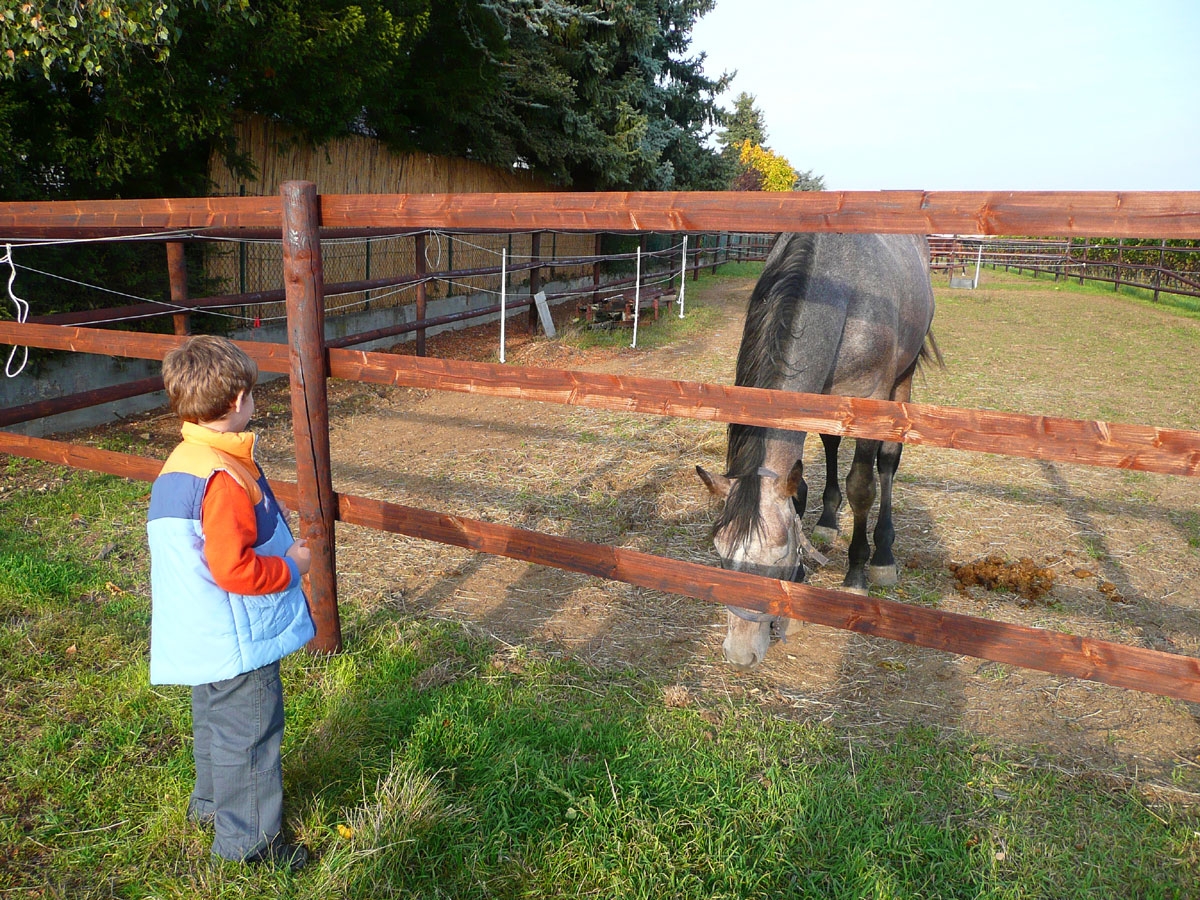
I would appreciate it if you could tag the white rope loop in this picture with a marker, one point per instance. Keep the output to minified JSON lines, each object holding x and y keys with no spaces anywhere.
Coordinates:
{"x":21,"y":316}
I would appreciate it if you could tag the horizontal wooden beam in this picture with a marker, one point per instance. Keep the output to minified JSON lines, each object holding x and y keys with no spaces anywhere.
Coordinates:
{"x":60,"y":218}
{"x":40,"y":409}
{"x":124,"y":465}
{"x":133,"y":345}
{"x":1120,"y":665}
{"x":1148,"y":214}
{"x":1142,"y":447}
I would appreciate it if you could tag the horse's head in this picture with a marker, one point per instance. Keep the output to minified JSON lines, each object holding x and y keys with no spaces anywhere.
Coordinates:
{"x":757,"y":532}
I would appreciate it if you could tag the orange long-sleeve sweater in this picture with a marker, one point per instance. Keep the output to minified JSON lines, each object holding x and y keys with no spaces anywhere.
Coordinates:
{"x":230,"y":533}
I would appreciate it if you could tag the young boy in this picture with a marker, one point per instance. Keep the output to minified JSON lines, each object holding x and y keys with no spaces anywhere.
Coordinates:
{"x":226,"y":600}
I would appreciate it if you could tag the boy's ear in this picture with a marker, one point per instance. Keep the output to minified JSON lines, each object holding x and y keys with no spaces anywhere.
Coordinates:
{"x":237,"y":403}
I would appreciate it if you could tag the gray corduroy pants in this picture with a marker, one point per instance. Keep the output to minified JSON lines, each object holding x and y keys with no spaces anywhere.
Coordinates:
{"x":238,"y":728}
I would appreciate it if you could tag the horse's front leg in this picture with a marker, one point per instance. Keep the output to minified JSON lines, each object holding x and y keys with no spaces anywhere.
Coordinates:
{"x":860,"y":489}
{"x":883,"y":564}
{"x":826,"y":529}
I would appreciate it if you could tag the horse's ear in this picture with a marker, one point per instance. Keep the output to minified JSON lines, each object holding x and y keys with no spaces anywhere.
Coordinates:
{"x":718,"y":484}
{"x":794,"y":480}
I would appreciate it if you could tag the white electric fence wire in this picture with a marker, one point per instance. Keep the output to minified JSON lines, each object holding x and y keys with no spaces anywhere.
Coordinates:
{"x":503,"y":297}
{"x":637,"y":296}
{"x":431,"y":263}
{"x":683,"y":276}
{"x":21,"y":316}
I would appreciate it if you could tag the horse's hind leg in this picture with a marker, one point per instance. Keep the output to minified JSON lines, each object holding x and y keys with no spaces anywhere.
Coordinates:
{"x":883,"y":564}
{"x":860,"y":488}
{"x":831,"y":498}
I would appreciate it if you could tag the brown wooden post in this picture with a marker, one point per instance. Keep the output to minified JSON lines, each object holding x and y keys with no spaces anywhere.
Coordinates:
{"x":1087,"y":242}
{"x":420,"y":269}
{"x":1158,"y":272}
{"x":1120,"y":259}
{"x":177,"y":271}
{"x":535,"y":278}
{"x":304,"y":285}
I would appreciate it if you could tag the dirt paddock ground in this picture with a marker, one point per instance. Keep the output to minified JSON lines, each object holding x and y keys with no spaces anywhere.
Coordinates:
{"x":1116,"y":553}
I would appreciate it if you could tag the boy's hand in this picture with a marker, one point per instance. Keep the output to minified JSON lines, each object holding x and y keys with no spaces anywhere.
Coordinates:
{"x":301,"y":556}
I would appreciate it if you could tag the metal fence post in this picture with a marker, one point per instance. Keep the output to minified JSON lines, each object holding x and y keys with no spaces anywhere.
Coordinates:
{"x":304,"y":287}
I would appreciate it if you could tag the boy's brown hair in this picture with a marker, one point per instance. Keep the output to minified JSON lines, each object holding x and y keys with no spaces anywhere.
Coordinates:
{"x":204,"y":375}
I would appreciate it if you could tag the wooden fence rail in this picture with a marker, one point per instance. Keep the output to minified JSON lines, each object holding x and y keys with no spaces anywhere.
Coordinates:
{"x":1116,"y":664}
{"x":1146,"y":214}
{"x":1065,"y":258}
{"x":1111,"y":444}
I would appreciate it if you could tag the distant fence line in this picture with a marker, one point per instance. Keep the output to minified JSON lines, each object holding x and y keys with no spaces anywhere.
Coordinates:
{"x":1160,"y":266}
{"x":356,"y":278}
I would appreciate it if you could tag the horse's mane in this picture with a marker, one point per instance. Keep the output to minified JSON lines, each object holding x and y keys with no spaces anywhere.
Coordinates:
{"x":773,"y":304}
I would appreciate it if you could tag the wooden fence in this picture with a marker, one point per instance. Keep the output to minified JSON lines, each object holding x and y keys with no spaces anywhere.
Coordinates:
{"x":303,"y":215}
{"x":1157,"y":267}
{"x":659,"y":271}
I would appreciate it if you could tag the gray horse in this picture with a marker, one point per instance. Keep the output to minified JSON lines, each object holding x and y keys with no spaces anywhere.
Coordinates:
{"x":842,"y":314}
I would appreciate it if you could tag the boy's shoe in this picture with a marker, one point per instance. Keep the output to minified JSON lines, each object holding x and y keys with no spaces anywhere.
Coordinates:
{"x":292,"y":857}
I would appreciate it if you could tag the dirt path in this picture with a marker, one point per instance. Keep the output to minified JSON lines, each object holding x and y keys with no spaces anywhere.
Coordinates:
{"x":1123,"y":549}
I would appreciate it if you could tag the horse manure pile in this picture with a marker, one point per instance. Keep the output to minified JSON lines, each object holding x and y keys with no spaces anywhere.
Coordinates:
{"x":994,"y":572}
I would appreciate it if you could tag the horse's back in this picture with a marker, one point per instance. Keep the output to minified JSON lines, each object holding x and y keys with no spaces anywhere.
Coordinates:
{"x":838,"y":313}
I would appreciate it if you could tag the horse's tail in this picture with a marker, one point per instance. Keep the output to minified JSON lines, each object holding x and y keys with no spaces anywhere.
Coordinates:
{"x":930,"y":351}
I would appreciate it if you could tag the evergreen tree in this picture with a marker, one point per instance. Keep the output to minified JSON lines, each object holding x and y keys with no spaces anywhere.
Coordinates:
{"x":744,"y":123}
{"x":590,"y":94}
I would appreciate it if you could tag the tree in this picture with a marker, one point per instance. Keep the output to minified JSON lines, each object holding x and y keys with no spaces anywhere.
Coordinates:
{"x":764,"y":170}
{"x":91,"y":36}
{"x":591,"y":94}
{"x":745,"y":123}
{"x":606,"y":99}
{"x":749,"y":164}
{"x":807,"y":181}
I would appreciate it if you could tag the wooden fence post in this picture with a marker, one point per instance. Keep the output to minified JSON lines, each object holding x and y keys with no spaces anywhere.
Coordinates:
{"x":420,"y":270}
{"x":1162,"y":247}
{"x":535,"y":278}
{"x":177,"y":272}
{"x":304,"y":286}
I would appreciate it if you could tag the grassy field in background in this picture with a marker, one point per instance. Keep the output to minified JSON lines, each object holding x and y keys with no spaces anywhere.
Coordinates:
{"x":428,"y":762}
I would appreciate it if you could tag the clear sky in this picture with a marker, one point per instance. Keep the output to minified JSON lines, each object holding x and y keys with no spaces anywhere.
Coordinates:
{"x":1009,"y":95}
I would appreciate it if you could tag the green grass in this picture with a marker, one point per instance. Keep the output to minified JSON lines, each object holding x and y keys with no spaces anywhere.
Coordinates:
{"x":1112,"y":368}
{"x":424,"y":762}
{"x":1178,"y":303}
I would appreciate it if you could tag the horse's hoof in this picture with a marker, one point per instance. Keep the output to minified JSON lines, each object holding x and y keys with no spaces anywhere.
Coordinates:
{"x":858,"y":591}
{"x":824,"y":535}
{"x":884,"y":576}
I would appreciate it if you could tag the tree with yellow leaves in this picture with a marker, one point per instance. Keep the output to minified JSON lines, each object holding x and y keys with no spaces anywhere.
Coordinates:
{"x":774,"y":172}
